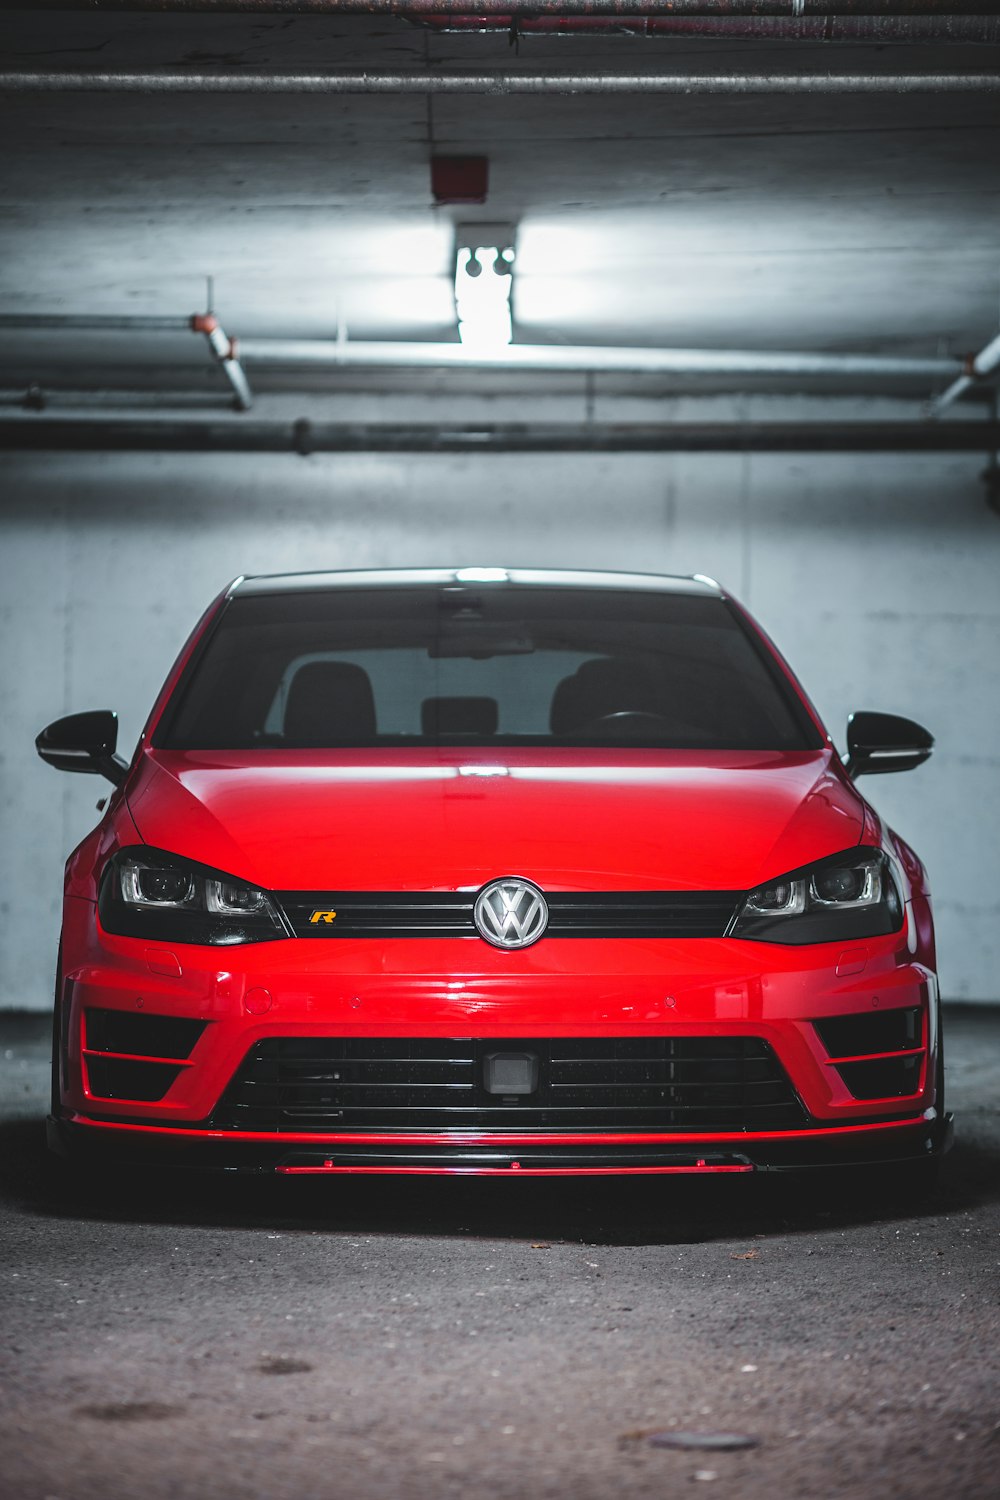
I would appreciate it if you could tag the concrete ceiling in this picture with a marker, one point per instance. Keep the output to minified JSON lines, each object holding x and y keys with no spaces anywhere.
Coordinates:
{"x":827,"y":223}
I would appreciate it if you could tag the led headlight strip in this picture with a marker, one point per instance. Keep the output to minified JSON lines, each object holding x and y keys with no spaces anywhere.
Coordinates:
{"x":849,"y":895}
{"x":149,"y":893}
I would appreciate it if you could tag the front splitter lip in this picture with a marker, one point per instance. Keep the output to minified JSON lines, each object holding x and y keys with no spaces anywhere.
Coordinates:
{"x":465,"y":1152}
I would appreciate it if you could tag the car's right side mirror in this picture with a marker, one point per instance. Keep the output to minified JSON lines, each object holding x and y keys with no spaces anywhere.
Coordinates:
{"x":877,"y":743}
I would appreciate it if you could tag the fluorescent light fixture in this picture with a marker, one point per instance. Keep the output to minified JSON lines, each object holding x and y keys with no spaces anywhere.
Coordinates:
{"x":483,"y":280}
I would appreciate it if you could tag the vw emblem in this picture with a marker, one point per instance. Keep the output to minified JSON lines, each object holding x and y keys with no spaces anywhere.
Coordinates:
{"x":510,"y":913}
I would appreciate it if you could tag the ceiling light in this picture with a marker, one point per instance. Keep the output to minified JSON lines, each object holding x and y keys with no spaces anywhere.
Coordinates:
{"x":483,"y":302}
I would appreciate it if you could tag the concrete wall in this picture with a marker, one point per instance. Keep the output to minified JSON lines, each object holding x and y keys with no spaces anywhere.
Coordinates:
{"x":876,"y":574}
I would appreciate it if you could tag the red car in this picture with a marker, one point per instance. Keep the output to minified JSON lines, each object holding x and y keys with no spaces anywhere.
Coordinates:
{"x":489,"y":870}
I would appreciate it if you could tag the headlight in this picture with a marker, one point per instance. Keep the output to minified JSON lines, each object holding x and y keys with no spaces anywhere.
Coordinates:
{"x":147,"y":893}
{"x":849,"y":895}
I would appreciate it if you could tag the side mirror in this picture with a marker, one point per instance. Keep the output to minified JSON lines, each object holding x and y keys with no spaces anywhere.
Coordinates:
{"x":84,"y":742}
{"x":877,"y":743}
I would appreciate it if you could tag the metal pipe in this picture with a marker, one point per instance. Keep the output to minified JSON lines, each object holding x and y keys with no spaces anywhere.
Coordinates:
{"x":165,"y":81}
{"x":101,"y":401}
{"x":333,"y":353}
{"x":96,"y":322}
{"x":236,"y":375}
{"x":793,"y":8}
{"x":397,"y":354}
{"x":254,"y":435}
{"x":876,"y":30}
{"x":222,"y":347}
{"x":985,"y":364}
{"x":224,"y":353}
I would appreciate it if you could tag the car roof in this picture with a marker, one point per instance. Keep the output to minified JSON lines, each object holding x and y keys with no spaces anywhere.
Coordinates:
{"x":294,"y":583}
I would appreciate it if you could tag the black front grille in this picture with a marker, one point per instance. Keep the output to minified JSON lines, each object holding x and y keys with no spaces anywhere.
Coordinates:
{"x":350,"y":1083}
{"x":592,"y":914}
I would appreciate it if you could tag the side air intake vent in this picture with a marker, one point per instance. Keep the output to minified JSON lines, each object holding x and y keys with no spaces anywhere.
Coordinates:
{"x":133,"y":1055}
{"x":880,"y":1054}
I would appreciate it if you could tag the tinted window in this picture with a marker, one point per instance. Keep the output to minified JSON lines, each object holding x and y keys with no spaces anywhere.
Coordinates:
{"x":502,"y":666}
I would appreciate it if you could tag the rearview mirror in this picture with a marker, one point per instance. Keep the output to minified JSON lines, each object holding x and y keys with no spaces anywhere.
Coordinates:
{"x":877,"y":743}
{"x":84,"y":742}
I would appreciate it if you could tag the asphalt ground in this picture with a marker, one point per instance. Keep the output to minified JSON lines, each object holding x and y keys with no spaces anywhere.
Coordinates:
{"x":216,"y":1339}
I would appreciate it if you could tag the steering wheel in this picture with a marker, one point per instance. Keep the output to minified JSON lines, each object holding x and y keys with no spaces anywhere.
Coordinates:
{"x":623,"y":719}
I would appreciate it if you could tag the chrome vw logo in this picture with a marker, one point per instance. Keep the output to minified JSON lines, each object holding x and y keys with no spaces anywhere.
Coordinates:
{"x":510,"y":913}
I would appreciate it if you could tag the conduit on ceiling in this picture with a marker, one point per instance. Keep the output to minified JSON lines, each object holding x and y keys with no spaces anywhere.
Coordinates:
{"x":978,"y":371}
{"x":543,"y":358}
{"x":221,"y":346}
{"x":863,"y":22}
{"x":788,"y":8}
{"x":254,"y":435}
{"x":590,"y":359}
{"x":167,"y":81}
{"x":876,"y":30}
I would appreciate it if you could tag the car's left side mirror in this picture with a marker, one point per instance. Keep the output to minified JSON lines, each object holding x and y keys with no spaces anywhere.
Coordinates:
{"x":877,"y":743}
{"x":84,"y":742}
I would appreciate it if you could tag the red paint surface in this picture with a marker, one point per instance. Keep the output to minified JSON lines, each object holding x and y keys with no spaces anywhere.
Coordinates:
{"x":346,"y":1139}
{"x":566,"y":819}
{"x":515,"y":1168}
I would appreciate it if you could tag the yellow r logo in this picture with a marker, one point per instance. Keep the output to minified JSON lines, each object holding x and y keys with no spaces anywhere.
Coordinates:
{"x":322,"y":916}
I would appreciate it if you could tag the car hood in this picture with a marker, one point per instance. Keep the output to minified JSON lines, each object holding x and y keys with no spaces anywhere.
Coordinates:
{"x":445,"y":820}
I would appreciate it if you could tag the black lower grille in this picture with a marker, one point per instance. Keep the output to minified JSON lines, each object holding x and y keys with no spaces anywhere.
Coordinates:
{"x":871,"y":1031}
{"x":150,"y":1050}
{"x":592,"y":914}
{"x":854,"y":1042}
{"x":883,"y":1077}
{"x":125,"y":1078}
{"x":349,"y":1083}
{"x":140,"y":1034}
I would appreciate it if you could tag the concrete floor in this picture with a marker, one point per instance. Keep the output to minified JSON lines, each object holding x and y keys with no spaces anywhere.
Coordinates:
{"x":212,"y":1339}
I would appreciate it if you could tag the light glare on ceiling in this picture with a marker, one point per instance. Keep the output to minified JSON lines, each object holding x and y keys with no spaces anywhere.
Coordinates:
{"x":482,"y":575}
{"x":483,"y":281}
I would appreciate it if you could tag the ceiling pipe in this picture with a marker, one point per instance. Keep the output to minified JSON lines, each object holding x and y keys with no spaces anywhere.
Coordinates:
{"x":876,"y":30}
{"x":334,"y":353}
{"x":167,"y":81}
{"x":254,"y":435}
{"x":222,"y":348}
{"x":549,"y":358}
{"x":224,"y":353}
{"x":795,"y":9}
{"x":87,"y":322}
{"x":985,"y":364}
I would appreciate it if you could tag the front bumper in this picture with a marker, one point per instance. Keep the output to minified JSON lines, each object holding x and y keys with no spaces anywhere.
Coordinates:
{"x":458,"y":1153}
{"x":447,"y":988}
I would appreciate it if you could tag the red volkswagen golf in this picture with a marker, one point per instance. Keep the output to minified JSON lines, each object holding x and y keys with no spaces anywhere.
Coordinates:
{"x":492,"y":871}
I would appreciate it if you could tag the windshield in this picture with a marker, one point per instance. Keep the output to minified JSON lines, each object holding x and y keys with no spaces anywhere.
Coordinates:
{"x":433,"y":665}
